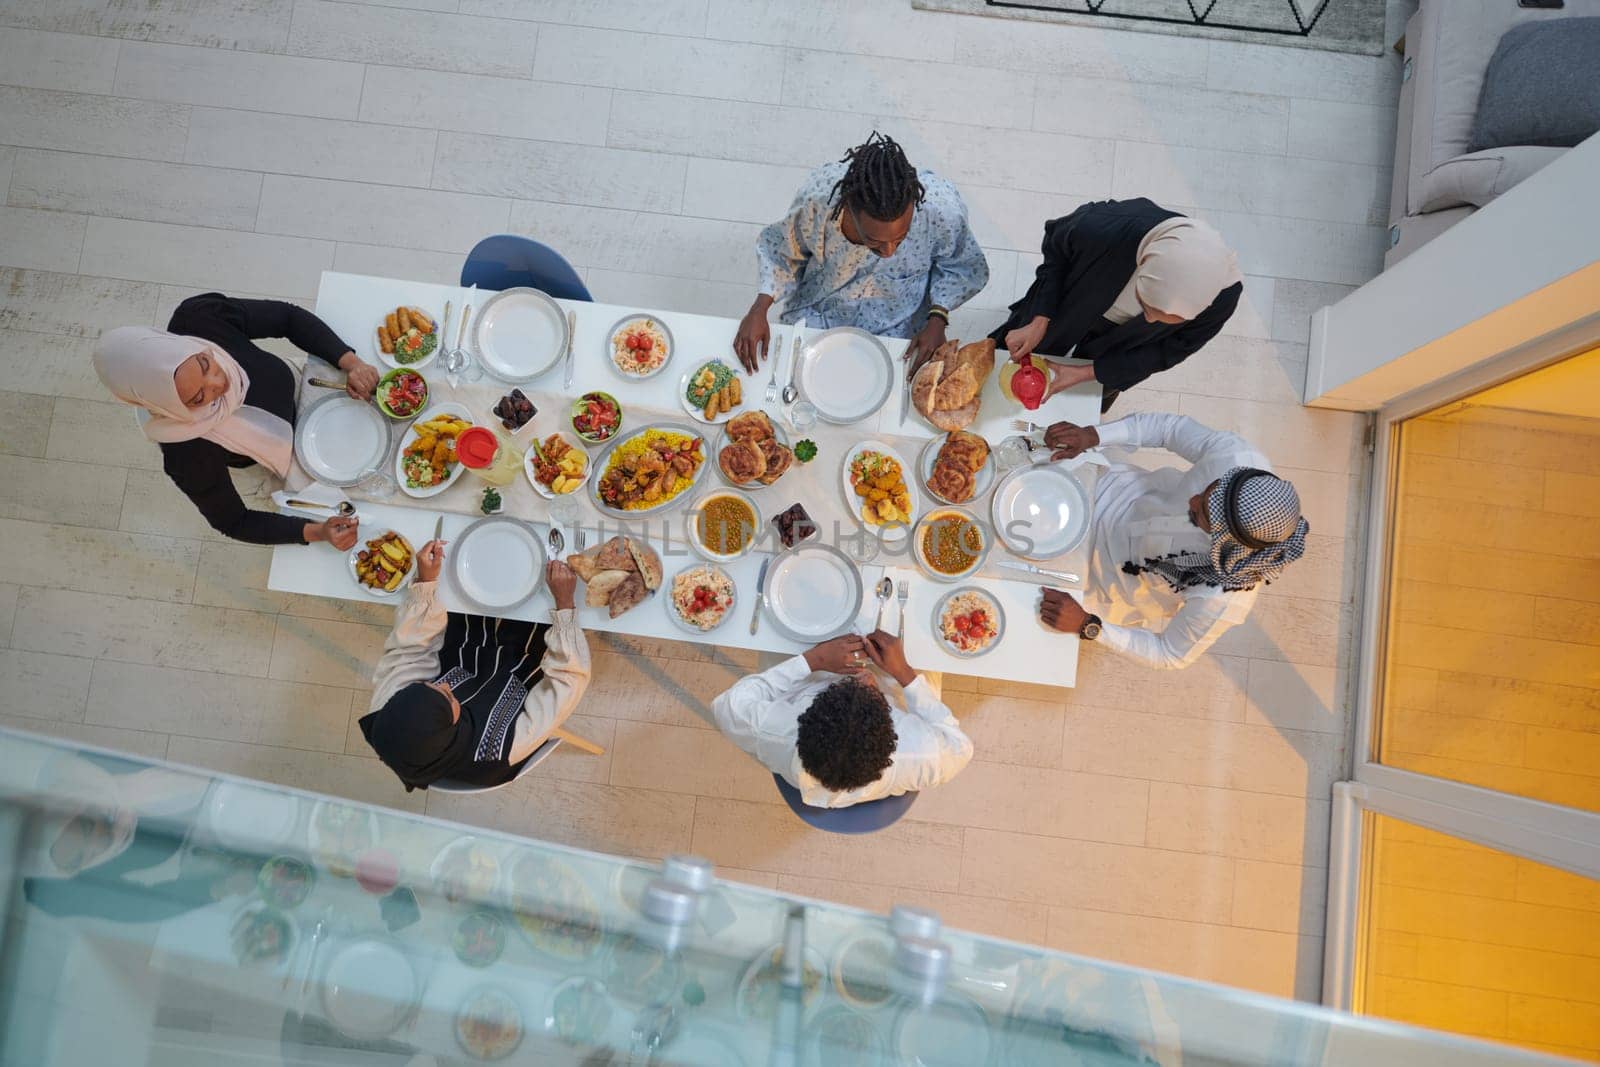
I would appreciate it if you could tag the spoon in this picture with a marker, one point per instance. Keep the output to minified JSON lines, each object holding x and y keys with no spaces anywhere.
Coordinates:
{"x":885,"y":591}
{"x":557,"y":542}
{"x":791,"y":392}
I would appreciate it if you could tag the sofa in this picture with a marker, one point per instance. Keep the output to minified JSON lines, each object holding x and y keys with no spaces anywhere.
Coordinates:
{"x":1437,"y":181}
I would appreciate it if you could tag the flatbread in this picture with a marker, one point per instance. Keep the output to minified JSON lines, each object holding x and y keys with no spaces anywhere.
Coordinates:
{"x":955,"y":419}
{"x":923,"y":385}
{"x":614,"y":555}
{"x":648,"y":562}
{"x":750,"y":426}
{"x":627,"y":594}
{"x":778,"y":458}
{"x":599,"y":591}
{"x":979,"y":356}
{"x":584,"y":565}
{"x":742,"y":462}
{"x":957,"y":387}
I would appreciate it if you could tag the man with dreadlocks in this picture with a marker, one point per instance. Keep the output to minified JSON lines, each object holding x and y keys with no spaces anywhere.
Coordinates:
{"x":1189,"y":548}
{"x":870,"y":242}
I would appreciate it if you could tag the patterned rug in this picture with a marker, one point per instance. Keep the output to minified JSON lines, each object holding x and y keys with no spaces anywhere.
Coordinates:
{"x":1330,"y":25}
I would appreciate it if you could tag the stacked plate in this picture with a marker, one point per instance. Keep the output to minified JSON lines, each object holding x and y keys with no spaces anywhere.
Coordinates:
{"x":813,"y":592}
{"x":520,"y":334}
{"x":497,"y":563}
{"x":340,"y":440}
{"x":846,"y":373}
{"x":1040,"y":512}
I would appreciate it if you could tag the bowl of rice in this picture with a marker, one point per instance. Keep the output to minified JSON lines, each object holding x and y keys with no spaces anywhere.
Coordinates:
{"x":702,"y":597}
{"x":639,"y":346}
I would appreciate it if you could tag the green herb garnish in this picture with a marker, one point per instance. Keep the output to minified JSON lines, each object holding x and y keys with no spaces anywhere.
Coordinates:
{"x":805,"y":451}
{"x":491,"y":502}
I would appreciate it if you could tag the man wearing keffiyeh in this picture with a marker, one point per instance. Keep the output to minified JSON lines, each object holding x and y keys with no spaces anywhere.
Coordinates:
{"x":1178,"y":554}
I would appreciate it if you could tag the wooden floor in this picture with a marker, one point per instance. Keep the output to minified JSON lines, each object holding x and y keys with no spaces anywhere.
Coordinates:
{"x":151,"y":150}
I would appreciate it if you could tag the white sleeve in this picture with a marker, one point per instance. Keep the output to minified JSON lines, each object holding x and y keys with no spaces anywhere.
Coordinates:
{"x":749,"y":707}
{"x":411,"y":651}
{"x":1193,"y":441}
{"x":1191,"y":630}
{"x":565,"y":676}
{"x":939,"y":752}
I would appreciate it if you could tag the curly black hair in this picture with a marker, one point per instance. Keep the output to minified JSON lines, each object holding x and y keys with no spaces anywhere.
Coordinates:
{"x":846,"y":736}
{"x":880,"y":182}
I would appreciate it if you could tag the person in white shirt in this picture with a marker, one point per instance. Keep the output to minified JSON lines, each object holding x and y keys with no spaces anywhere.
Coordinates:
{"x":470,"y":698}
{"x":822,"y":722}
{"x":1178,"y":554}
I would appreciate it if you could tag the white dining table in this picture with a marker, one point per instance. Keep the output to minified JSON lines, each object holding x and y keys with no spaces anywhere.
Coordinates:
{"x":353,"y":305}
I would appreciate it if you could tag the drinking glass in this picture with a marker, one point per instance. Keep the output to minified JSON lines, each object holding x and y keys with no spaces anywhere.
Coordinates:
{"x":378,"y":484}
{"x":802,"y":415}
{"x":1011,"y":454}
{"x":861,"y":546}
{"x":564,"y":509}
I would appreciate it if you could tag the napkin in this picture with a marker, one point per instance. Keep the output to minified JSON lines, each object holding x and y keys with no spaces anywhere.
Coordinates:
{"x":316,"y":493}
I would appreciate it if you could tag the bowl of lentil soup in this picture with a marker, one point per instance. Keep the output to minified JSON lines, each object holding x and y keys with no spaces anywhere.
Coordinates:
{"x":950,"y":544}
{"x":722,"y":525}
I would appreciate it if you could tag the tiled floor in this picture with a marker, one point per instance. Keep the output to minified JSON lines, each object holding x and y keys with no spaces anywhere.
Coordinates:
{"x":148,"y":150}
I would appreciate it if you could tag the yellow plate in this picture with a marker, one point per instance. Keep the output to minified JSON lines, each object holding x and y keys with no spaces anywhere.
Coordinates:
{"x":1011,"y":368}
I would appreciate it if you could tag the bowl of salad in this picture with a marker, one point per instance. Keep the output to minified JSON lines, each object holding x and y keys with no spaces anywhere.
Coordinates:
{"x":401,"y":393}
{"x":596,"y":417}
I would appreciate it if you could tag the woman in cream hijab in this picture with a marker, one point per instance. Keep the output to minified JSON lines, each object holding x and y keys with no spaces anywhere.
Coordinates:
{"x":214,"y":400}
{"x":1127,"y":284}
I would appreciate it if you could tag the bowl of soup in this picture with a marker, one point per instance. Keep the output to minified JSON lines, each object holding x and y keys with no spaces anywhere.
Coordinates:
{"x":722,"y":525}
{"x":949,"y":543}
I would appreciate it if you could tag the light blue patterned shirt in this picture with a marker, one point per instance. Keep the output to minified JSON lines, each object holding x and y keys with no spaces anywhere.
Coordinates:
{"x":807,"y":262}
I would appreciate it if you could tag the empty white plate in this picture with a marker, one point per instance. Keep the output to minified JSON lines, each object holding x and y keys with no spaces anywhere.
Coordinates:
{"x":1040,"y":512}
{"x":520,"y":333}
{"x":369,"y":989}
{"x":497,"y":563}
{"x":249,"y":817}
{"x":813,"y":592}
{"x":340,"y":440}
{"x":846,"y":373}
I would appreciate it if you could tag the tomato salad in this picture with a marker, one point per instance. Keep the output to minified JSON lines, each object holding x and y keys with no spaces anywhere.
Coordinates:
{"x":596,"y":416}
{"x":402,"y":393}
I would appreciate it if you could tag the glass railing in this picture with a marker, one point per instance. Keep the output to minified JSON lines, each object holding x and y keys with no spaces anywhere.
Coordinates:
{"x":164,"y":916}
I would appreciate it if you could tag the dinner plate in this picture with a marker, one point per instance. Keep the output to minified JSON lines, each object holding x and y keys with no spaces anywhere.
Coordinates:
{"x":571,"y":439}
{"x":983,"y":481}
{"x":852,"y":502}
{"x":598,"y":465}
{"x":340,"y":440}
{"x":723,"y":441}
{"x":813,"y":592}
{"x":520,"y":334}
{"x":251,"y":818}
{"x":411,"y":434}
{"x":671,"y":604}
{"x":497,"y":563}
{"x":361,"y":546}
{"x":698,"y":414}
{"x":846,"y":373}
{"x":1039,"y":512}
{"x":993,"y":605}
{"x":388,"y":359}
{"x":369,"y":988}
{"x":672,"y":347}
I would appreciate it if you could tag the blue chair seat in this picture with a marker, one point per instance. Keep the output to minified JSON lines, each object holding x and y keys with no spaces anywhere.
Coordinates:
{"x":861,"y":818}
{"x":506,"y":261}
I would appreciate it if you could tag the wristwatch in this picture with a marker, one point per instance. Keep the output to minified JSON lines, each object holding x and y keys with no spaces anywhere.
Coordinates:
{"x":1090,"y":628}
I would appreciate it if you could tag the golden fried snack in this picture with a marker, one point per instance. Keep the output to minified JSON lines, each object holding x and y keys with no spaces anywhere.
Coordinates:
{"x":713,"y":405}
{"x":421,"y":321}
{"x":737,"y":396}
{"x":385,"y":339}
{"x":405,"y":319}
{"x":392,"y":321}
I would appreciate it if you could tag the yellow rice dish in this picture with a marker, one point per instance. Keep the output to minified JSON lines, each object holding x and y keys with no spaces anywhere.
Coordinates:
{"x":649,"y":469}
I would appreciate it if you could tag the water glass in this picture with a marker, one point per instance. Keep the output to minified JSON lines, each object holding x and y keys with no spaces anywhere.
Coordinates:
{"x":378,"y":484}
{"x":802,"y":415}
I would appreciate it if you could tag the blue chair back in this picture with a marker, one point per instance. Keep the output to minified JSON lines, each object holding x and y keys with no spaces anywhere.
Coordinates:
{"x":857,"y":819}
{"x":506,"y":261}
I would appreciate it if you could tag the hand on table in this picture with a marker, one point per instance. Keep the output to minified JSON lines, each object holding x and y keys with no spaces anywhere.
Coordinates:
{"x":1060,"y":611}
{"x":750,"y":343}
{"x":1070,"y":441}
{"x":924,"y":344}
{"x":1022,"y":341}
{"x":360,"y":379}
{"x":843,"y":655}
{"x":563,"y":583}
{"x":430,"y":558}
{"x":340,"y":531}
{"x":888,"y":651}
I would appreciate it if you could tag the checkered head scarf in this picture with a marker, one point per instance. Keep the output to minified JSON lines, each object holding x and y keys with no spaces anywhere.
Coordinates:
{"x":1258,"y":531}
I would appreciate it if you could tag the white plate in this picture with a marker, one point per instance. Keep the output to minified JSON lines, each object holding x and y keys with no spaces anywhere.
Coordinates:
{"x":852,"y":502}
{"x":411,"y":434}
{"x":339,"y":440}
{"x":369,"y":989}
{"x":847,"y":374}
{"x":1040,"y":512}
{"x":497,"y":563}
{"x":692,"y":525}
{"x":672,"y":347}
{"x":779,"y":434}
{"x":571,"y":439}
{"x":248,"y":817}
{"x":672,"y":606}
{"x":930,"y":452}
{"x":993,"y":605}
{"x":520,"y":334}
{"x":387,"y":358}
{"x":361,"y":546}
{"x":813,"y":592}
{"x":698,"y":414}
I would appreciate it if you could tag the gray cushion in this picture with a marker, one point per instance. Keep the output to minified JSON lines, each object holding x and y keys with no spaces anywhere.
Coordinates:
{"x":1542,"y":86}
{"x":1479,"y":177}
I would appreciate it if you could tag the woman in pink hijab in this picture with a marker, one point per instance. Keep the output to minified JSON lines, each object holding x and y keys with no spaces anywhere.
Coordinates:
{"x":1127,"y":284}
{"x":215,"y":400}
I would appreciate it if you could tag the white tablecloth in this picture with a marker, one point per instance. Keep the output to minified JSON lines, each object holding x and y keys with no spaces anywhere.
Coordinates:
{"x":352,"y":305}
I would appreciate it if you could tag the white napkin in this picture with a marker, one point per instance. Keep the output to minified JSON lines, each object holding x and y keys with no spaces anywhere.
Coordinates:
{"x":315,"y":493}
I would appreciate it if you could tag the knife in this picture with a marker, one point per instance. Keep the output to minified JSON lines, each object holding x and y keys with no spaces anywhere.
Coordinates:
{"x":572,"y":326}
{"x":438,"y":528}
{"x":905,"y":398}
{"x":1028,"y":568}
{"x":761,"y":596}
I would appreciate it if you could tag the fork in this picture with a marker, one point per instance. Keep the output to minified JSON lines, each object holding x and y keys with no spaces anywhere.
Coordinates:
{"x":902,"y":594}
{"x":1027,"y":427}
{"x":580,"y":538}
{"x":775,"y":349}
